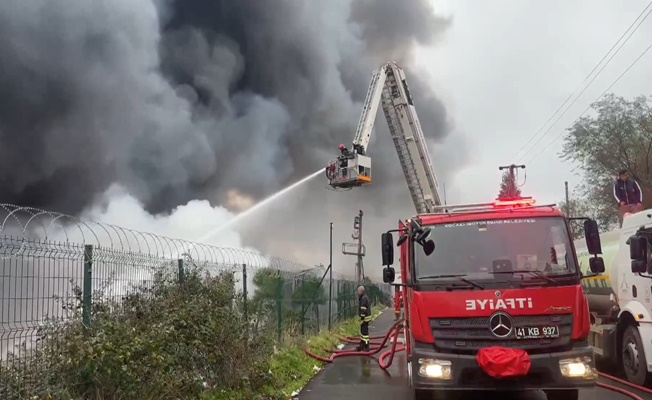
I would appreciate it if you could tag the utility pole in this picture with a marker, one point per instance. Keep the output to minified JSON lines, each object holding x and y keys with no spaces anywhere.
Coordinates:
{"x":330,"y":279}
{"x":360,"y":267}
{"x":567,"y":210}
{"x":567,"y":203}
{"x":511,"y":187}
{"x":356,"y":249}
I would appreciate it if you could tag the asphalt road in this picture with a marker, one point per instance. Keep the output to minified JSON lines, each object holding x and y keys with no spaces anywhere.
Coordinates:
{"x":360,"y":378}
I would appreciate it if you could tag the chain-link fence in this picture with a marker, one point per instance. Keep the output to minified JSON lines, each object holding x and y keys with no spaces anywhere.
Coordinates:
{"x":60,"y":273}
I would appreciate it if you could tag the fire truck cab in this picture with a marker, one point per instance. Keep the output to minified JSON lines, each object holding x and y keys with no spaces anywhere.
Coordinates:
{"x":485,"y":281}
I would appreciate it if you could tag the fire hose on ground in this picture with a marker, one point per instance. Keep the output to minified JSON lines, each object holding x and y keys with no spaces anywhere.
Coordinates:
{"x":387,"y":357}
{"x":624,"y":383}
{"x":374,"y":348}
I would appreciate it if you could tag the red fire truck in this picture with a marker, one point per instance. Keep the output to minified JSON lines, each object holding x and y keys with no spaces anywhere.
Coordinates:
{"x":490,"y":293}
{"x":493,"y":300}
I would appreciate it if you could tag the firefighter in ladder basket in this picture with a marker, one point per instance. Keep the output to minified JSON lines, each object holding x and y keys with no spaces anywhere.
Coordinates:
{"x":364,"y":311}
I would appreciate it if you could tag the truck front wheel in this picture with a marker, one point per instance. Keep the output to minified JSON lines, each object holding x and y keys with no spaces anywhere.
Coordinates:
{"x":632,"y":358}
{"x":564,"y":394}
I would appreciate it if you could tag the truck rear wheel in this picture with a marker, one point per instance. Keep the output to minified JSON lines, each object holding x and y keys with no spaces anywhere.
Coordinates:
{"x":632,"y":358}
{"x":564,"y":394}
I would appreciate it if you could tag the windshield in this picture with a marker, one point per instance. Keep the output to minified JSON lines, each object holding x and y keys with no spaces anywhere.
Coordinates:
{"x":483,"y":249}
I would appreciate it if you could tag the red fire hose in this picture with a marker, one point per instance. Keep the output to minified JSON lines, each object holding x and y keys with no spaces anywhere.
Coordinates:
{"x":390,"y":353}
{"x":386,"y":358}
{"x":619,"y":390}
{"x":347,"y":353}
{"x":624,"y":383}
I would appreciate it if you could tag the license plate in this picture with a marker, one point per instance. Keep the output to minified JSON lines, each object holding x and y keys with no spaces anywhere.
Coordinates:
{"x":537,"y":332}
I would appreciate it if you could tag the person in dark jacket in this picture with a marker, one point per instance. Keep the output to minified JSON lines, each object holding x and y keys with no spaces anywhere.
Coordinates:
{"x":364,"y":311}
{"x":628,"y":194}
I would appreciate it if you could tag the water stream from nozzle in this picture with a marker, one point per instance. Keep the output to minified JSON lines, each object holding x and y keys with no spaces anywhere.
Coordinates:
{"x":258,"y":206}
{"x":252,"y":210}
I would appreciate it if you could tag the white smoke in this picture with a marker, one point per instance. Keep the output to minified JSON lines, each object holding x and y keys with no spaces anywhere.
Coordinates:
{"x":188,"y":222}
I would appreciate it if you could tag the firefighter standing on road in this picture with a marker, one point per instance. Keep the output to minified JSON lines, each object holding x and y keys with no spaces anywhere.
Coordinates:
{"x":628,"y":194}
{"x":364,"y":311}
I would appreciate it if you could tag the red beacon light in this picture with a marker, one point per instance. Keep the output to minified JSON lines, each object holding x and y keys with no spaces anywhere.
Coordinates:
{"x":521,"y":202}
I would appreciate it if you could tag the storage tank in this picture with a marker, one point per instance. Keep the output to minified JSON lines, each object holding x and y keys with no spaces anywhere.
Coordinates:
{"x":599,"y":288}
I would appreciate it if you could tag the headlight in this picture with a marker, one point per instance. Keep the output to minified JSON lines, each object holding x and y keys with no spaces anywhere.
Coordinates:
{"x":579,"y":367}
{"x":436,"y":369}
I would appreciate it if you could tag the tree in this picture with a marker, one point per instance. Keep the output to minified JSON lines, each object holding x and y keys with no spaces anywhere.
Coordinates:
{"x":577,"y":208}
{"x":618,"y":137}
{"x":505,"y":187}
{"x":309,"y":293}
{"x":270,"y":287}
{"x":297,"y":295}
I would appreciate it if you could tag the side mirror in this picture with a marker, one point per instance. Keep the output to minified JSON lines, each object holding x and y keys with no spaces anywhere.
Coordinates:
{"x":402,"y":239}
{"x":422,"y":235}
{"x":592,"y":235}
{"x":428,"y":247}
{"x":596,"y":265}
{"x":638,"y":254}
{"x":638,"y":267}
{"x":387,"y":246}
{"x":637,"y":248}
{"x":389,"y":274}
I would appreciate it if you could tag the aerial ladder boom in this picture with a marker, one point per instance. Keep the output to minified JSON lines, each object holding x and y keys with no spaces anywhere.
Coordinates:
{"x":389,"y":89}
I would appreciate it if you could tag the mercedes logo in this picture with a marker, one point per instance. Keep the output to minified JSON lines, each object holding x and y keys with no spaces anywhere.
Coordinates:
{"x":497,"y":293}
{"x":500,"y":325}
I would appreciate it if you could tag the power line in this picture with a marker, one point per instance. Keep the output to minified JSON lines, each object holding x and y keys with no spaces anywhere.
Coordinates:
{"x":589,"y":107}
{"x":593,"y":79}
{"x":585,"y":79}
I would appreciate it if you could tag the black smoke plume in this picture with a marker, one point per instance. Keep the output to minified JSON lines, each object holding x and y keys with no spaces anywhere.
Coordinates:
{"x":186,"y":99}
{"x":178,"y":100}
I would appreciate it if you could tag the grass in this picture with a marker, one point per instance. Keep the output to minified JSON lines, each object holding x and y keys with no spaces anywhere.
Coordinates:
{"x":291,"y":367}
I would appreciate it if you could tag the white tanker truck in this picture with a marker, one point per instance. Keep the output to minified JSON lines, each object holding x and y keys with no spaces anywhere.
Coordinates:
{"x":620,"y":299}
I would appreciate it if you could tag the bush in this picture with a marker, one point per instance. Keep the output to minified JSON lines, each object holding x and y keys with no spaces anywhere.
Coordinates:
{"x":172,"y":341}
{"x":291,"y":367}
{"x":167,"y":341}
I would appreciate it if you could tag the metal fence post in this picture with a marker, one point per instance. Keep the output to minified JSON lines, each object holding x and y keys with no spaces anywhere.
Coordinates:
{"x":351,"y":296}
{"x":244,"y":291}
{"x":303,"y":305}
{"x":279,"y":304}
{"x":182,"y":272}
{"x":330,"y":280}
{"x":338,"y":299}
{"x":87,"y":291}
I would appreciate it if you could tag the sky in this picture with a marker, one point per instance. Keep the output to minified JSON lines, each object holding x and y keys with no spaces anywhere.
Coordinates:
{"x":503,"y":68}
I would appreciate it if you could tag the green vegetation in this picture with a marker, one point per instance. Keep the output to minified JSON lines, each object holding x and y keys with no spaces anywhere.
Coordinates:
{"x":617,"y":136}
{"x":195,"y":340}
{"x":290,"y":366}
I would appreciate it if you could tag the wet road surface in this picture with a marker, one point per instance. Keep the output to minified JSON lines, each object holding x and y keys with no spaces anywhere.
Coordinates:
{"x":360,"y":378}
